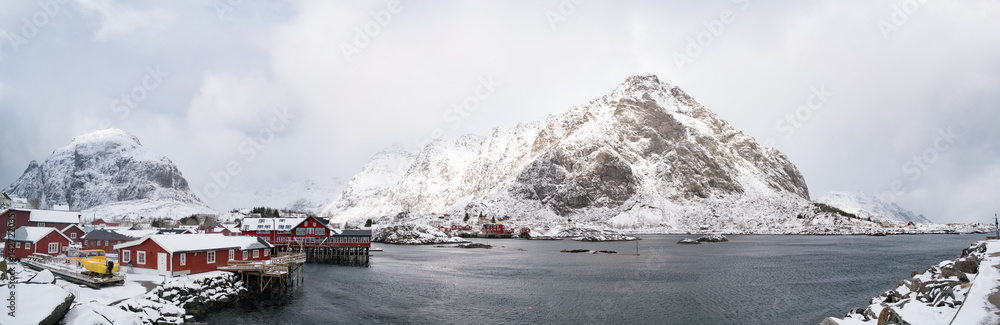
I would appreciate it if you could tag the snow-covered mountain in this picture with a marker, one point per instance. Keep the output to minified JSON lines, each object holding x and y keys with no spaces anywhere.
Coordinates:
{"x":867,"y":205}
{"x":111,"y":173}
{"x":644,"y":156}
{"x":304,"y":196}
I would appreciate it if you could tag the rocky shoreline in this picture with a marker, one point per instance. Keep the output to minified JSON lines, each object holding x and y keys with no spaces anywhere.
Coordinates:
{"x":933,"y":296}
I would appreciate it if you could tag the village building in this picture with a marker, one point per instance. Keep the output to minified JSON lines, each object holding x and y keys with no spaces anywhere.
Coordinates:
{"x":101,"y":223}
{"x":104,"y":239}
{"x":174,"y":231}
{"x":28,"y":240}
{"x":185,"y":254}
{"x":224,"y":230}
{"x":38,"y":218}
{"x":74,"y":232}
{"x":281,"y":231}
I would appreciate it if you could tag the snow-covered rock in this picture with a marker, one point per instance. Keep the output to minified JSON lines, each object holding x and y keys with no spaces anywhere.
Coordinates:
{"x":43,"y":277}
{"x":588,"y":233}
{"x":94,"y":313}
{"x":35,"y":304}
{"x":105,"y":168}
{"x":688,"y":241}
{"x":409,"y":233}
{"x":644,"y":156}
{"x":866,"y":205}
{"x":713,"y":238}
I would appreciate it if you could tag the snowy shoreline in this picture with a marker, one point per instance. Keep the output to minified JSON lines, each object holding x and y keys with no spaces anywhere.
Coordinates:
{"x":955,"y":291}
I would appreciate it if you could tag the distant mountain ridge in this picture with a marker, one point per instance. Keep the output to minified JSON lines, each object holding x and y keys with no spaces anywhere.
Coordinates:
{"x":867,"y":205}
{"x":106,"y":167}
{"x":644,"y":155}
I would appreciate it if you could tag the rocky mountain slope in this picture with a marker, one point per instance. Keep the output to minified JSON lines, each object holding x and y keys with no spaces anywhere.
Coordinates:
{"x":646,"y":155}
{"x":870,"y":206}
{"x":105,"y":171}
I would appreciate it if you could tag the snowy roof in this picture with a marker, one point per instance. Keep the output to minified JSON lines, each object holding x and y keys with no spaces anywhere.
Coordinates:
{"x":270,"y":224}
{"x":200,"y":242}
{"x":71,"y":226}
{"x":33,"y":234}
{"x":51,"y":216}
{"x":137,"y":233}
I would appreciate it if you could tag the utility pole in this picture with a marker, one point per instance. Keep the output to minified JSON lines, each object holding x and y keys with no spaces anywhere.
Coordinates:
{"x":996,"y":223}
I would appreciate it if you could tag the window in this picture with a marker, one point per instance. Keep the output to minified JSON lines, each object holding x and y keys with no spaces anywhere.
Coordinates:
{"x":211,"y":257}
{"x":53,"y":248}
{"x":244,"y":255}
{"x":126,"y":256}
{"x":86,"y":242}
{"x":256,"y":253}
{"x":18,"y":244}
{"x":267,"y":252}
{"x":140,"y":257}
{"x":232,"y":254}
{"x":27,"y":245}
{"x":183,"y":259}
{"x":41,"y":224}
{"x":106,"y":243}
{"x":72,"y":236}
{"x":300,"y":232}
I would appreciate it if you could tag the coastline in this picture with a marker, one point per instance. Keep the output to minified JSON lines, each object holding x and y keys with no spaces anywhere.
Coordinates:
{"x":965,"y":290}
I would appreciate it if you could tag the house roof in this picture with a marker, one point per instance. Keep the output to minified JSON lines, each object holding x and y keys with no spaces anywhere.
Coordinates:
{"x":200,"y":242}
{"x":137,"y":233}
{"x":71,"y":226}
{"x":270,"y":224}
{"x":34,"y":234}
{"x":106,"y":235}
{"x":168,"y":231}
{"x":51,"y":216}
{"x":352,"y":232}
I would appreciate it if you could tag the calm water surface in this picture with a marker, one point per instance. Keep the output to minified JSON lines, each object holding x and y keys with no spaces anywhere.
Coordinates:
{"x":749,"y":280}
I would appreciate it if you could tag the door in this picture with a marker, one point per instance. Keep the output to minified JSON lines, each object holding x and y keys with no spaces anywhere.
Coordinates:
{"x":161,"y":263}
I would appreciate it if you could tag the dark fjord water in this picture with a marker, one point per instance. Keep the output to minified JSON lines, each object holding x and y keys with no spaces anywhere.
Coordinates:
{"x":749,"y":280}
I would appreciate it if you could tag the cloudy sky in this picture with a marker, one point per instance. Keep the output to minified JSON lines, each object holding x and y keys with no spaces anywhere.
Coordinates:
{"x":892,"y":97}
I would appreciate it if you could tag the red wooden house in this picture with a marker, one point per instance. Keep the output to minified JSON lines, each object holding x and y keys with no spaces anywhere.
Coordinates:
{"x":225,"y":231}
{"x":104,"y":240}
{"x":190,"y":253}
{"x":280,"y":231}
{"x":37,"y":218}
{"x":493,"y":229}
{"x":101,"y":222}
{"x":28,"y":240}
{"x":74,"y":232}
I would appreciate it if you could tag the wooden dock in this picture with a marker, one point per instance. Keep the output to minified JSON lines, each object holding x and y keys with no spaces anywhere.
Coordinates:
{"x":330,"y":253}
{"x":65,"y":268}
{"x":283,"y":270}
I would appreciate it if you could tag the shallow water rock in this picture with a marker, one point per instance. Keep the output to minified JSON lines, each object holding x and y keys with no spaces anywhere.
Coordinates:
{"x":713,"y":238}
{"x":688,"y":241}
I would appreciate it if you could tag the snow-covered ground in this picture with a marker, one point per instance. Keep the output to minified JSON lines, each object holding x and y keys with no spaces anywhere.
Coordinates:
{"x":952,"y":292}
{"x":411,"y":234}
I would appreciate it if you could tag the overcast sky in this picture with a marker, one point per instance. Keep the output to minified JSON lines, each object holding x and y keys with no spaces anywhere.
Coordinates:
{"x":335,"y":81}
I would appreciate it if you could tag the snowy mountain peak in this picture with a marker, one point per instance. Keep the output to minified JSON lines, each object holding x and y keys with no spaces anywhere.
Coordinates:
{"x":645,"y":154}
{"x":101,"y":168}
{"x":107,"y":135}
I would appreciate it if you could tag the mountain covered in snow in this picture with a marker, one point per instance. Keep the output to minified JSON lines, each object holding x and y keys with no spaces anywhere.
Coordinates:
{"x":306,"y":196}
{"x":646,"y":155}
{"x":108,"y":172}
{"x":867,"y":205}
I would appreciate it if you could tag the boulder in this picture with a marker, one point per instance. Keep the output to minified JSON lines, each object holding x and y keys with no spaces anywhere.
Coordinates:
{"x":688,"y":241}
{"x":967,"y":264}
{"x":947,"y":272}
{"x":713,"y":238}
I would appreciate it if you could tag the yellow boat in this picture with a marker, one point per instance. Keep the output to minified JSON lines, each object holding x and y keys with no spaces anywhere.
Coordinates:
{"x":95,"y":261}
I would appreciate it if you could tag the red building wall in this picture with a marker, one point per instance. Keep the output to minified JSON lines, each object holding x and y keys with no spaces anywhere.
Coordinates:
{"x":106,"y":245}
{"x":78,"y":232}
{"x":41,"y":246}
{"x":195,"y":262}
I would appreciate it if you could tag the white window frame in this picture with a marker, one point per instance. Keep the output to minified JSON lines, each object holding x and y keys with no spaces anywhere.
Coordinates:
{"x":27,"y":245}
{"x":41,"y":224}
{"x":211,"y":257}
{"x":126,"y":256}
{"x":183,"y":259}
{"x":245,"y":254}
{"x":140,"y":257}
{"x":53,"y":248}
{"x":256,"y":253}
{"x":72,"y":235}
{"x":232,"y":254}
{"x":267,"y":252}
{"x":18,"y":244}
